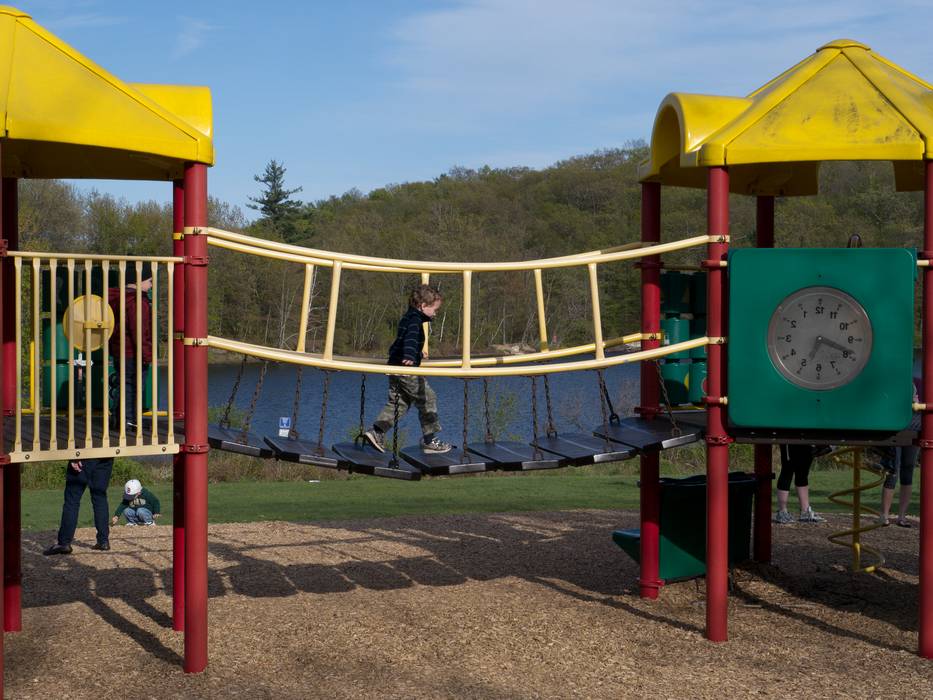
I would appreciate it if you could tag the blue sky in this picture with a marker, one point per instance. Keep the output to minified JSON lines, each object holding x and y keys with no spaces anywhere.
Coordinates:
{"x":362,"y":93}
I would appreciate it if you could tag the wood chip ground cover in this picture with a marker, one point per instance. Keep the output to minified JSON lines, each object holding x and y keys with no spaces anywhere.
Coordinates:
{"x":539,"y":605}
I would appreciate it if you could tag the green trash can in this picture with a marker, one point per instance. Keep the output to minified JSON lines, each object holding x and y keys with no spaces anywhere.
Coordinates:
{"x":676,"y":330}
{"x":682,"y":542}
{"x":698,"y":294}
{"x":698,"y":330}
{"x":697,"y":381}
{"x":675,"y":373}
{"x":675,"y":296}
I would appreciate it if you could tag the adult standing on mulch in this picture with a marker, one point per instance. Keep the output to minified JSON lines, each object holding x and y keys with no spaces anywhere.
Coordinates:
{"x":95,"y":473}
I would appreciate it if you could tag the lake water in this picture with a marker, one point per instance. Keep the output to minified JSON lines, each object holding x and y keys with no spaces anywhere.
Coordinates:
{"x":575,"y":397}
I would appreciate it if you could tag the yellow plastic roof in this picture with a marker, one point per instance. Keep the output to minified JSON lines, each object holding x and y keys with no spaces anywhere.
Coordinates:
{"x":66,"y":117}
{"x":844,"y":102}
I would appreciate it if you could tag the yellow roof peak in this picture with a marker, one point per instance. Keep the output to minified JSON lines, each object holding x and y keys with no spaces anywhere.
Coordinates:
{"x":844,"y":44}
{"x":14,"y":12}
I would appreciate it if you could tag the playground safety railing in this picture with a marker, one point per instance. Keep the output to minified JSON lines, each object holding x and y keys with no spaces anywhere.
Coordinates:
{"x":68,"y":294}
{"x":527,"y":363}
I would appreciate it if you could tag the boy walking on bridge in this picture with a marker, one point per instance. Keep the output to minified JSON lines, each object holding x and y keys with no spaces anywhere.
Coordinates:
{"x":406,"y":391}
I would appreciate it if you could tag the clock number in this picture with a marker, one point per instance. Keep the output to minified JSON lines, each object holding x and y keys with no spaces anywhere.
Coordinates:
{"x":803,"y":363}
{"x":843,"y":326}
{"x":819,"y":367}
{"x":819,"y":310}
{"x":845,"y":354}
{"x":833,"y":314}
{"x":787,"y":338}
{"x":793,"y":352}
{"x":851,"y":339}
{"x":793,"y":324}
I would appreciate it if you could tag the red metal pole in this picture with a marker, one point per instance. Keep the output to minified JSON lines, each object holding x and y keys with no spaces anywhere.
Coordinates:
{"x":12,"y":555}
{"x":4,"y":377}
{"x":195,"y":418}
{"x":649,"y":581}
{"x":925,"y":622}
{"x":762,"y":527}
{"x":717,"y":440}
{"x":178,"y":383}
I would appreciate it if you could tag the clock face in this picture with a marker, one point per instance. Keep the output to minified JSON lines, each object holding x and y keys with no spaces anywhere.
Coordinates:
{"x":819,"y":338}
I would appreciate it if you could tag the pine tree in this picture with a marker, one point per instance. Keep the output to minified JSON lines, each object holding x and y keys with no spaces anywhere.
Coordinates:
{"x":274,"y":202}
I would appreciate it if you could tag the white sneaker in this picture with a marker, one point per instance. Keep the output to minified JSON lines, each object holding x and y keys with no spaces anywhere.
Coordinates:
{"x":129,"y":524}
{"x":783,"y":517}
{"x":808,"y":516}
{"x":436,"y":446}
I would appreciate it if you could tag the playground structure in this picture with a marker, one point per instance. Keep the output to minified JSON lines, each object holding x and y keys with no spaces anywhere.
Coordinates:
{"x":102,"y":127}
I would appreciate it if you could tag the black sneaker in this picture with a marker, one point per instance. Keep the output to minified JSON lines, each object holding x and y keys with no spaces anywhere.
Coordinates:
{"x":102,"y":546}
{"x":376,"y":439}
{"x":58,"y":549}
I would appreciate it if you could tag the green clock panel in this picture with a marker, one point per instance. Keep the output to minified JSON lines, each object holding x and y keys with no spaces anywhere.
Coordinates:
{"x":793,"y":310}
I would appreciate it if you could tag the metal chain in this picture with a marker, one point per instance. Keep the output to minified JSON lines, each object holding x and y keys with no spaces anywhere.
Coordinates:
{"x":550,"y":427}
{"x":603,"y":398}
{"x":534,"y":415}
{"x":293,"y":431}
{"x":359,"y":437}
{"x":613,"y":416}
{"x":466,"y":418}
{"x":675,"y":429}
{"x":489,"y":436}
{"x":225,"y":420}
{"x":320,"y":428}
{"x":395,"y":431}
{"x":252,"y":404}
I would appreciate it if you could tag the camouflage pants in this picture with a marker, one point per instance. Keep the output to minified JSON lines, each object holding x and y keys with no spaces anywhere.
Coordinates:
{"x":410,"y":391}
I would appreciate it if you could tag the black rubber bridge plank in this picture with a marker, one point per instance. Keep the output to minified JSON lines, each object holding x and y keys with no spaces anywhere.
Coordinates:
{"x":514,"y":455}
{"x":579,"y":449}
{"x":302,"y":451}
{"x":444,"y":463}
{"x":365,"y":459}
{"x":234,"y":440}
{"x":649,"y":435}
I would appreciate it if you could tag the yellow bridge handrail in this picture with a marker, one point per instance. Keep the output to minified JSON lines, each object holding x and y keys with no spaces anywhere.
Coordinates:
{"x":293,"y":253}
{"x":373,"y":367}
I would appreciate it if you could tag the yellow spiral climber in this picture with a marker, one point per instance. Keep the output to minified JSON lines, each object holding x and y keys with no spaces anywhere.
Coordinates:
{"x":853,"y":457}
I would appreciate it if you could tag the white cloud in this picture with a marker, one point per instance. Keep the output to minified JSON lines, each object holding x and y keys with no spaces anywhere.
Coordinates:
{"x":192,"y":35}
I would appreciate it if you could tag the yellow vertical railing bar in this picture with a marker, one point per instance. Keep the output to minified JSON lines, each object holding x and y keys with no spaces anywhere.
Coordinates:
{"x":154,"y":364}
{"x":139,"y":354}
{"x":467,"y":303}
{"x":856,"y":510}
{"x":332,"y":310}
{"x":105,"y":350}
{"x":34,"y":364}
{"x":71,"y":357}
{"x":53,"y":356}
{"x":597,"y":315}
{"x":542,"y":321}
{"x":18,"y":315}
{"x":425,"y":279}
{"x":121,"y":330}
{"x":305,"y":307}
{"x":170,"y":356}
{"x":88,"y":385}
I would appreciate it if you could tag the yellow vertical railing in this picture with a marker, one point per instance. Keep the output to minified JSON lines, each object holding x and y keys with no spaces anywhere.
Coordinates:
{"x":70,"y":264}
{"x":18,"y":315}
{"x":34,"y":355}
{"x":332,"y":311}
{"x":138,"y":350}
{"x":154,"y":363}
{"x":88,"y":384}
{"x":121,"y":329}
{"x":53,"y":356}
{"x":542,"y":320}
{"x":597,"y":318}
{"x":170,"y":354}
{"x":305,"y":307}
{"x":425,"y":279}
{"x":467,"y":320}
{"x":105,"y":353}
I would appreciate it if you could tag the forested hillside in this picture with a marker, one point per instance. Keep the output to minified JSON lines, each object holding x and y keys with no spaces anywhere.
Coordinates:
{"x":580,"y":204}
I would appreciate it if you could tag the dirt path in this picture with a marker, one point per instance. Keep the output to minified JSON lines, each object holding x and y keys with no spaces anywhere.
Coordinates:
{"x":536,"y":605}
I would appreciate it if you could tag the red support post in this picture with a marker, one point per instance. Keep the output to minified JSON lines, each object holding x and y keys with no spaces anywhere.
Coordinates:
{"x":717,"y":440}
{"x":650,"y":495}
{"x":12,"y":536}
{"x":4,"y":377}
{"x":195,"y":448}
{"x":762,"y":528}
{"x":925,"y":615}
{"x":178,"y":384}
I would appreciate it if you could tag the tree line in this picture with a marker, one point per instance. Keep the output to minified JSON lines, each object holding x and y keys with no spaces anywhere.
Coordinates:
{"x":488,"y":214}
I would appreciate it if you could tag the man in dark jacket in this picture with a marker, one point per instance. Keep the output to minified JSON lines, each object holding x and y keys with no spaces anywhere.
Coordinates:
{"x":406,"y":391}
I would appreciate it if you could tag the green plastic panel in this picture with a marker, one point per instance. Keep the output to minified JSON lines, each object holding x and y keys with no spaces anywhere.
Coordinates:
{"x":880,"y":279}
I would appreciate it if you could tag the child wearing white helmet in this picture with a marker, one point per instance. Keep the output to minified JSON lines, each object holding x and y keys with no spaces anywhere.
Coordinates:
{"x":140,"y":506}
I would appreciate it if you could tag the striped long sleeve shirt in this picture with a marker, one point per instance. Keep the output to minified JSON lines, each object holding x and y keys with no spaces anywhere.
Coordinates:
{"x":410,"y":339}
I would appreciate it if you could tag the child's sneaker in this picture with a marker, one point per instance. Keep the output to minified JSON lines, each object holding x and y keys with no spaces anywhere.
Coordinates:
{"x":436,"y":446}
{"x":783,"y":517}
{"x":376,"y":439}
{"x":808,"y":516}
{"x":883,"y":520}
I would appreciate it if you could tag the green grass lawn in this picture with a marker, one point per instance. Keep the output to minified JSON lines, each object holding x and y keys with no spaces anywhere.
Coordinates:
{"x":369,"y":497}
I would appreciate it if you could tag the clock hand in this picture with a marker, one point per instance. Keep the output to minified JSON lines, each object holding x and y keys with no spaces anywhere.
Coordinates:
{"x":816,"y":346}
{"x":835,"y":346}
